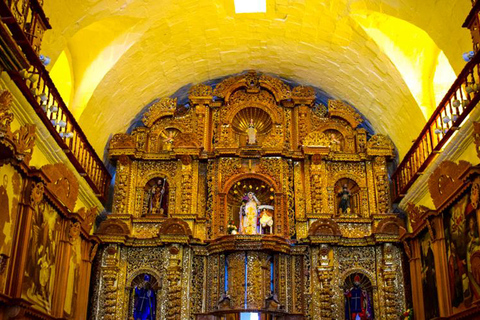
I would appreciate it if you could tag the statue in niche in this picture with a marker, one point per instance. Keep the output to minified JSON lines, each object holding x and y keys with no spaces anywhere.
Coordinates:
{"x":157,"y":199}
{"x":344,"y":205}
{"x":251,"y":133}
{"x":357,"y":302}
{"x":168,"y":141}
{"x":249,"y":214}
{"x":145,"y":301}
{"x":334,"y":143}
{"x":266,"y":219}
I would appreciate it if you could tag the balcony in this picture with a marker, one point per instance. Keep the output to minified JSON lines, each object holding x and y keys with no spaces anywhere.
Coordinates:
{"x":460,"y":99}
{"x":24,"y":23}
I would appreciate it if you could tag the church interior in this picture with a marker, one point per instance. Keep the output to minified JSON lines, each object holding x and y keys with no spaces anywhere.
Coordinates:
{"x":239,"y":159}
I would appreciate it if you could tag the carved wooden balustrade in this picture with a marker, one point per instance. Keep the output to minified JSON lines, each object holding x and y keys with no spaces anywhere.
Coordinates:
{"x":472,"y":22}
{"x":30,"y":18}
{"x":26,"y":22}
{"x":460,"y":99}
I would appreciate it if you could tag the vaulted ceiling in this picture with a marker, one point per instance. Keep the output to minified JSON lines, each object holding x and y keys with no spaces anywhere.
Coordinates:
{"x":391,"y":59}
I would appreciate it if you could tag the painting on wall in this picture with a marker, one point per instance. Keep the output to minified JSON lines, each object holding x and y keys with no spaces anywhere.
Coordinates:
{"x":39,"y":277}
{"x":429,"y":282}
{"x":10,"y":189}
{"x":463,"y":251}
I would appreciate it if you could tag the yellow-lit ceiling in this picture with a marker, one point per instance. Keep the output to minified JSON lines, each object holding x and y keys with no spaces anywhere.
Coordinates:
{"x":391,"y":59}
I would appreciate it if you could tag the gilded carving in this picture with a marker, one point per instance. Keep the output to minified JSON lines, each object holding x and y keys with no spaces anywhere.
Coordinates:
{"x":305,"y":152}
{"x":165,"y":107}
{"x":337,"y":108}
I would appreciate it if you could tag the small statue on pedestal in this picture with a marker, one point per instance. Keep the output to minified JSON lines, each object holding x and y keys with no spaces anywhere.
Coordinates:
{"x":266,"y":218}
{"x":344,"y":206}
{"x":252,"y":133}
{"x":156,"y":198}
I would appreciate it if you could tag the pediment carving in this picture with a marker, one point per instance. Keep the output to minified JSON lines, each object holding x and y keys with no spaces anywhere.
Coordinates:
{"x":63,"y":184}
{"x":446,"y":180}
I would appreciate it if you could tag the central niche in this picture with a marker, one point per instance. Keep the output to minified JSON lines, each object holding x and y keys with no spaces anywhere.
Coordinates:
{"x":261,"y":120}
{"x":251,"y":206}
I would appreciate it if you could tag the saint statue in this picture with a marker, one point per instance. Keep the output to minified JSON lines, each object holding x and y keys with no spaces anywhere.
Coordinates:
{"x":168,"y":141}
{"x":357,"y":302}
{"x":334,"y":143}
{"x":252,"y":133}
{"x":156,"y":197}
{"x":266,"y":218}
{"x":249,"y":214}
{"x":145,"y":301}
{"x":344,"y":206}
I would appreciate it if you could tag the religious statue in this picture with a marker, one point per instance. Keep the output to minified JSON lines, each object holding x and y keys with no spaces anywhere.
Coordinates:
{"x":249,"y":214}
{"x":266,"y":219}
{"x":168,"y":141}
{"x":344,"y":205}
{"x":156,"y":197}
{"x":252,"y":133}
{"x":145,"y":301}
{"x":334,"y":143}
{"x":357,"y":302}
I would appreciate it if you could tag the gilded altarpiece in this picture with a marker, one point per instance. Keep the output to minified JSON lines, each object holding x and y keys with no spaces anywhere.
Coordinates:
{"x":191,"y":180}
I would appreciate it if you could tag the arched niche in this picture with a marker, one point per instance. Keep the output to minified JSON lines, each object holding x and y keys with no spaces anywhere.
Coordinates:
{"x":238,"y":196}
{"x":358,"y":295}
{"x":166,"y":139}
{"x":337,"y":140}
{"x":155,"y":197}
{"x":144,"y":287}
{"x":258,"y":118}
{"x":347,"y":188}
{"x":222,"y":217}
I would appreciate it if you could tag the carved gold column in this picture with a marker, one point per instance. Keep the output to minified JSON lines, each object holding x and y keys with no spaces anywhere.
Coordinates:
{"x":186,"y":186}
{"x":389,"y":276}
{"x":174,"y":273}
{"x":109,"y":275}
{"x":121,"y":190}
{"x":325,"y":277}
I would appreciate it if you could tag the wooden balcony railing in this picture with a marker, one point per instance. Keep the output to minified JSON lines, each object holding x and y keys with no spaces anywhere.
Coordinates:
{"x":462,"y":97}
{"x":40,"y":91}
